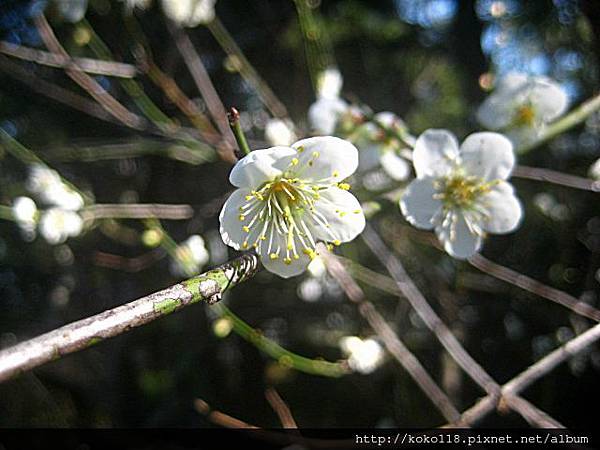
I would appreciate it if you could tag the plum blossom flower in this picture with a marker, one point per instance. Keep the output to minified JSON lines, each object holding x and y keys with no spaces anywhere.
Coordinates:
{"x":280,"y":132}
{"x":324,"y":114}
{"x":364,"y":355}
{"x":189,"y":13}
{"x":192,"y":250}
{"x":594,"y":170}
{"x":25,"y":212}
{"x":462,"y":193}
{"x":378,"y":151}
{"x":290,"y":198}
{"x":521,"y":105}
{"x":57,"y":225}
{"x":49,"y":186}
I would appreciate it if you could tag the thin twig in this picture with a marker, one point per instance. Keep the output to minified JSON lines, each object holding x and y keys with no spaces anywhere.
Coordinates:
{"x":86,"y":82}
{"x":220,"y":418}
{"x":207,"y":287}
{"x":530,"y":375}
{"x":204,"y":85}
{"x":281,"y":408}
{"x":391,"y":341}
{"x":137,"y":211}
{"x":529,"y":284}
{"x":555,"y":177}
{"x":442,"y":332}
{"x":89,"y":65}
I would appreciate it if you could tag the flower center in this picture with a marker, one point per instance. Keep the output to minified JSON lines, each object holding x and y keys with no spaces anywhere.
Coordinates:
{"x":459,"y":191}
{"x":524,"y":116}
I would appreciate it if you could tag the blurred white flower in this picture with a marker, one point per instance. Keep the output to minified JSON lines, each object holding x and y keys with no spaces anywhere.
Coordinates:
{"x":288,"y":199}
{"x":25,"y":213}
{"x":364,"y":356}
{"x":71,"y":10}
{"x":130,"y":5}
{"x":594,"y":170}
{"x":57,"y":225}
{"x":324,"y":114}
{"x":49,"y":186}
{"x":462,"y":192}
{"x":310,"y":290}
{"x":521,"y":105}
{"x":329,"y":83}
{"x":379,"y":151}
{"x":280,"y":132}
{"x":189,"y":13}
{"x":193,"y":251}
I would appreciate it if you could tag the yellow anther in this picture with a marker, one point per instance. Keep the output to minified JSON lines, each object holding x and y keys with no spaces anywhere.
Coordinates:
{"x":335,"y":174}
{"x":273,"y":256}
{"x":263,"y":237}
{"x":246,"y":229}
{"x":296,"y":257}
{"x":337,"y":242}
{"x":295,"y":162}
{"x":248,"y":198}
{"x":343,"y":213}
{"x":242,"y":217}
{"x":287,"y":261}
{"x":245,"y":245}
{"x":315,"y":154}
{"x":344,"y":186}
{"x":310,"y":162}
{"x":329,"y":247}
{"x":357,"y":211}
{"x":300,"y":149}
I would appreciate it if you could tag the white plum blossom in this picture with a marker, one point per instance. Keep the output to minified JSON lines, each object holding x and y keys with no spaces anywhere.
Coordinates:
{"x":189,"y":13}
{"x":193,"y":251}
{"x":280,"y":132}
{"x":71,"y":10}
{"x":364,"y":355}
{"x":521,"y":105}
{"x":462,"y":193}
{"x":57,"y":225}
{"x":290,"y":198}
{"x":594,"y":170}
{"x":25,"y":212}
{"x":49,"y":186}
{"x":378,"y":151}
{"x":326,"y":111}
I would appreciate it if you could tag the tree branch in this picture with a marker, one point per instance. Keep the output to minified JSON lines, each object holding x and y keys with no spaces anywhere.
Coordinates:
{"x":207,"y":287}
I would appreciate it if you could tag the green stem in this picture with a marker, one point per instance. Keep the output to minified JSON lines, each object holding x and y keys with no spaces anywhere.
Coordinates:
{"x":240,"y":137}
{"x":6,"y":213}
{"x":561,"y":125}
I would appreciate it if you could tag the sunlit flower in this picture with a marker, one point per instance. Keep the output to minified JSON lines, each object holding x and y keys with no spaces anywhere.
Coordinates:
{"x":57,"y":225}
{"x":377,"y":150}
{"x":329,"y":83}
{"x":364,"y":356}
{"x":25,"y":212}
{"x":462,"y":193}
{"x":48,"y":185}
{"x":71,"y":10}
{"x":189,"y":13}
{"x":290,"y":198}
{"x":594,"y":170}
{"x":521,"y":105}
{"x":193,"y":251}
{"x":326,"y":111}
{"x":280,"y":132}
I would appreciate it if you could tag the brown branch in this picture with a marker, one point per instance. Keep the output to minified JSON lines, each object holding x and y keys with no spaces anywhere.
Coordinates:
{"x":443,"y":333}
{"x":91,"y":86}
{"x":530,"y":375}
{"x":391,"y":341}
{"x":529,"y":284}
{"x":555,"y":177}
{"x":281,"y":408}
{"x":220,"y":418}
{"x":89,"y":65}
{"x":205,"y":86}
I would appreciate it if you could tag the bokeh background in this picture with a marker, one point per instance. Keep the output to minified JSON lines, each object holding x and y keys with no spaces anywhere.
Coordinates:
{"x":429,"y":61}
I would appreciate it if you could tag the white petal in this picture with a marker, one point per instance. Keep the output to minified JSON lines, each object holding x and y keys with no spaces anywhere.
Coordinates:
{"x":230,"y":225}
{"x":260,"y":166}
{"x":368,"y":157}
{"x":487,"y":155}
{"x":418,"y":205}
{"x":434,"y":153}
{"x":548,"y":98}
{"x":397,"y":168}
{"x":330,"y":83}
{"x":278,"y":266}
{"x":344,"y":214}
{"x":512,"y":81}
{"x":324,"y":114}
{"x":497,"y":110}
{"x":457,"y":238}
{"x":279,"y":132}
{"x":326,"y":157}
{"x":24,"y":210}
{"x":504,"y":211}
